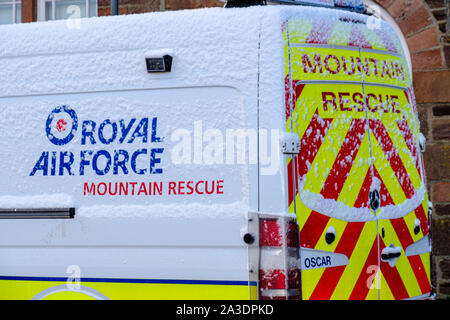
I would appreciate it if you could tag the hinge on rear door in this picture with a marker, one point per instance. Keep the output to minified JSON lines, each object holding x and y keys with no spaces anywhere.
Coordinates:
{"x":290,"y":143}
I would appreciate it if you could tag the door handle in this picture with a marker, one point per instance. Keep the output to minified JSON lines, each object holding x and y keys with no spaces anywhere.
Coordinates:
{"x":391,"y":254}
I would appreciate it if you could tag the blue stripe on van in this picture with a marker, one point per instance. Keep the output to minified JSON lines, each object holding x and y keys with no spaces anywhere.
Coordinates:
{"x":154,"y":281}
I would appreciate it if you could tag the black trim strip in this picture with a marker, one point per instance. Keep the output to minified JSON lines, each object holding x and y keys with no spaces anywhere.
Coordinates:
{"x":42,"y":213}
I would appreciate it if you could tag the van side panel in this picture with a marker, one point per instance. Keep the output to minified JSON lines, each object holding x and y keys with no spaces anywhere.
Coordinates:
{"x":160,"y":206}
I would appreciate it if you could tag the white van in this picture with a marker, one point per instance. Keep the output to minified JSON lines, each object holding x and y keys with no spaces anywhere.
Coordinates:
{"x":269,"y":152}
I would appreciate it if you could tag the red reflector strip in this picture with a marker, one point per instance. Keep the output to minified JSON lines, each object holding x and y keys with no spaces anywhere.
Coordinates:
{"x":294,"y":279}
{"x":274,"y":279}
{"x":279,"y":273}
{"x":292,"y":235}
{"x":270,"y":233}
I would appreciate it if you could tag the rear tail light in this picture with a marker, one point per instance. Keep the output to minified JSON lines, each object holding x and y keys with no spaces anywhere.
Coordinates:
{"x":279,"y":273}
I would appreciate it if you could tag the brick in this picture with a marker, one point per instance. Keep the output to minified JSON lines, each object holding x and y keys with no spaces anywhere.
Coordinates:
{"x":433,"y":4}
{"x":29,"y":10}
{"x":426,"y":60}
{"x":103,"y":3}
{"x":384,"y":3}
{"x":440,"y":111}
{"x":104,"y":11}
{"x":440,"y":14}
{"x":423,"y":118}
{"x":417,"y":20}
{"x":425,"y":39}
{"x":444,"y":288}
{"x":441,"y":236}
{"x":447,"y":55}
{"x":441,"y":129}
{"x":441,"y":192}
{"x":432,"y":86}
{"x":443,"y":27}
{"x":442,"y":210}
{"x":437,"y":161}
{"x":399,"y":9}
{"x":150,"y":5}
{"x":444,"y":266}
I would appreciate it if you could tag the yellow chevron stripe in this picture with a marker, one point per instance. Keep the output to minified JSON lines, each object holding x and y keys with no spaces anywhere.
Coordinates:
{"x":426,"y":263}
{"x":409,"y":220}
{"x":310,"y":278}
{"x":385,"y":291}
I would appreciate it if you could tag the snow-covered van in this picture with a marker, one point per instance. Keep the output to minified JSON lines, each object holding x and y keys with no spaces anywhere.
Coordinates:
{"x":267,"y":152}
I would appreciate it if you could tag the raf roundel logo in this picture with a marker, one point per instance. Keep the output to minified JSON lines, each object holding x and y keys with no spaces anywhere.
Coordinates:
{"x":61,"y":125}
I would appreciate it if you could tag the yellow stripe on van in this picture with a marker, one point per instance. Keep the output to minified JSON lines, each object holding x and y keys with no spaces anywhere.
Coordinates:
{"x":26,"y":290}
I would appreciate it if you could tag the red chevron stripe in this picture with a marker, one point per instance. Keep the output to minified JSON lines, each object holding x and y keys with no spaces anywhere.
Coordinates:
{"x":420,"y":273}
{"x":363,"y":198}
{"x":421,"y":215}
{"x":386,"y":199}
{"x":320,"y":32}
{"x":311,"y":142}
{"x":296,"y":93}
{"x":313,"y":229}
{"x":386,"y":40}
{"x":344,"y":160}
{"x":357,"y":38}
{"x":391,"y":153}
{"x":362,"y":286}
{"x":406,"y":132}
{"x":393,"y":279}
{"x":291,"y":191}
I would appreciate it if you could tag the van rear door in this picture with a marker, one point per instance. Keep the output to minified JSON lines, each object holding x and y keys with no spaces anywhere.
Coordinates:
{"x":359,"y":191}
{"x":325,"y":107}
{"x":399,"y":187}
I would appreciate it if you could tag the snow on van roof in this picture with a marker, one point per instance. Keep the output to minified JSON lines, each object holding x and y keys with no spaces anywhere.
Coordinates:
{"x":138,"y":30}
{"x":123,"y":32}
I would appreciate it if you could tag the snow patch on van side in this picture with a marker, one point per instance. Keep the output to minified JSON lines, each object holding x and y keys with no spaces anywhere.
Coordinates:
{"x":36,"y":201}
{"x":185,"y":211}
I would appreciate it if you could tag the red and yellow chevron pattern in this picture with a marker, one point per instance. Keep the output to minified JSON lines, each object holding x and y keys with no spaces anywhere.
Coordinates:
{"x":348,"y":98}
